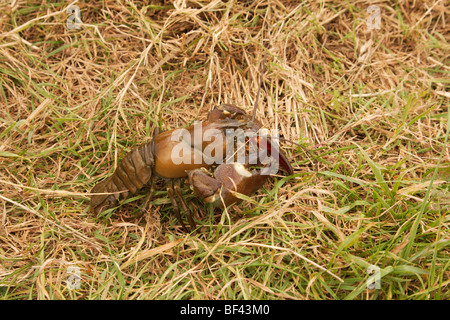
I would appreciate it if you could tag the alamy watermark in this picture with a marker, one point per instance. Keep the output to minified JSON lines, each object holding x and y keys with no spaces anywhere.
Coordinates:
{"x":374,"y":280}
{"x":74,"y":280}
{"x":374,"y":19}
{"x":74,"y":19}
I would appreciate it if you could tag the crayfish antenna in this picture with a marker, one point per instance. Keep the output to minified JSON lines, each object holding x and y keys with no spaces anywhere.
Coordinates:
{"x":263,"y":68}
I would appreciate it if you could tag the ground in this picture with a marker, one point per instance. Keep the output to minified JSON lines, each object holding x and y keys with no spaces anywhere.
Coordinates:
{"x":366,"y":90}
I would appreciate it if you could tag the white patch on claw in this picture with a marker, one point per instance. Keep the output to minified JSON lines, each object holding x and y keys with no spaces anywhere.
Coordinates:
{"x":212,"y":198}
{"x":242,"y":170}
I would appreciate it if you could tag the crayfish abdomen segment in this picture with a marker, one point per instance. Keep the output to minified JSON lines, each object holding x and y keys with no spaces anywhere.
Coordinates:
{"x":132,"y":173}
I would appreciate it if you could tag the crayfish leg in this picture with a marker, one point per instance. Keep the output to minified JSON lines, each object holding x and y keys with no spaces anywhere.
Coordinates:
{"x":184,"y":206}
{"x":176,"y":209}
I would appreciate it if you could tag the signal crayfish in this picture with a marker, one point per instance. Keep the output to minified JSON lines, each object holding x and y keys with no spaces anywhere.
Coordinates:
{"x":232,"y":143}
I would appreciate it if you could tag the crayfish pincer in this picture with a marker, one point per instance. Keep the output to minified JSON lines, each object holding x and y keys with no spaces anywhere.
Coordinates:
{"x":230,"y":142}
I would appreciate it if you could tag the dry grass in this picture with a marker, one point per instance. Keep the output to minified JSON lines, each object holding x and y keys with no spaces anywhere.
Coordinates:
{"x":372,"y":104}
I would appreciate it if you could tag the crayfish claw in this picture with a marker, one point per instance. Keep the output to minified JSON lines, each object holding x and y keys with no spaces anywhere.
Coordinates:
{"x":228,"y":179}
{"x":204,"y":185}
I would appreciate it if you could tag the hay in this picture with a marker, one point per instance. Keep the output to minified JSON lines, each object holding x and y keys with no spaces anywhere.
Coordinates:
{"x":372,"y":104}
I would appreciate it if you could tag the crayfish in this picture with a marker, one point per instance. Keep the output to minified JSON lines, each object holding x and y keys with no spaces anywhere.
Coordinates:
{"x":230,"y":141}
